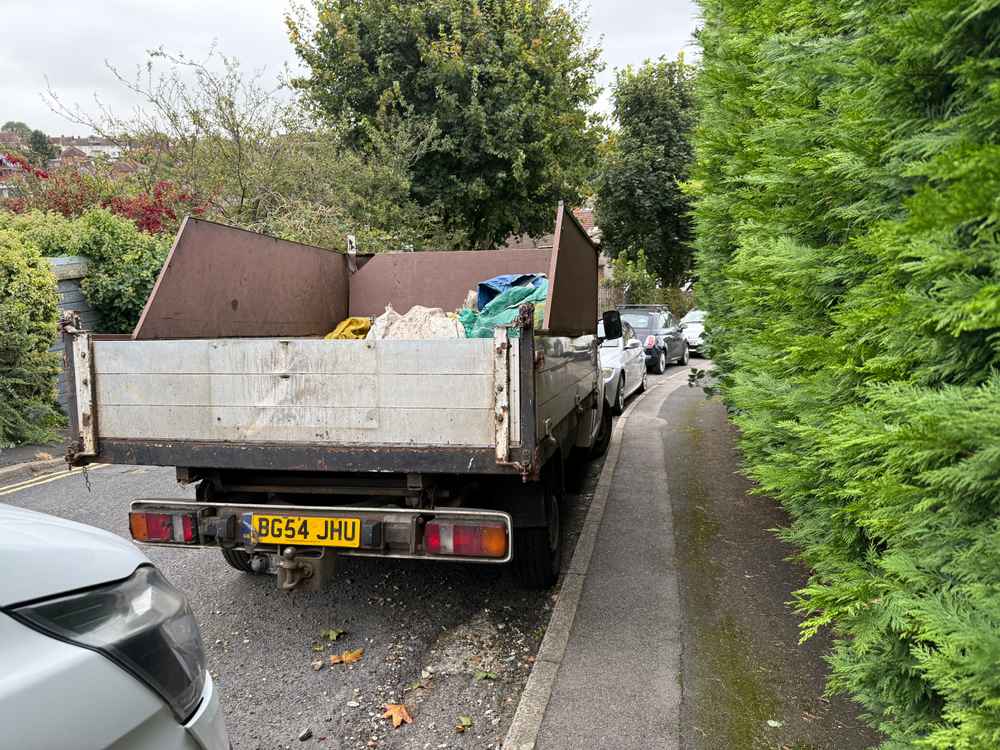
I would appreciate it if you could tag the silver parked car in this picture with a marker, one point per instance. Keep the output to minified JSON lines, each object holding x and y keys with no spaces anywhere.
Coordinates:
{"x":98,"y":649}
{"x":693,"y":326}
{"x":623,"y":362}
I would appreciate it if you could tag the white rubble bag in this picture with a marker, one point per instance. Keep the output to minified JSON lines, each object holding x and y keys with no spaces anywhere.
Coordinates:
{"x":419,"y":323}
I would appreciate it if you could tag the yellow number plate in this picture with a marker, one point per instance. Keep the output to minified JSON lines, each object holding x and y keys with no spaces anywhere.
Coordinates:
{"x":309,"y":530}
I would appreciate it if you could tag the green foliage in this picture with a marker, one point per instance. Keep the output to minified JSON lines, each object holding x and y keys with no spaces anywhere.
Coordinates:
{"x":246,"y":154}
{"x":637,"y":284}
{"x":124,"y":262}
{"x":501,"y":87}
{"x":846,"y":230}
{"x":124,"y":265}
{"x":28,"y":371}
{"x":50,"y":233}
{"x":633,"y":283}
{"x":41,"y":149}
{"x":640,"y":205}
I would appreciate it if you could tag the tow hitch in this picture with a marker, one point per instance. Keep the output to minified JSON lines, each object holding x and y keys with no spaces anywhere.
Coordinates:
{"x":306,"y":572}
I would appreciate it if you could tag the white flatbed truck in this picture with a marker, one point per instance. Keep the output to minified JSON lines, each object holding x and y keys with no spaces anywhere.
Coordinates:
{"x":303,"y":449}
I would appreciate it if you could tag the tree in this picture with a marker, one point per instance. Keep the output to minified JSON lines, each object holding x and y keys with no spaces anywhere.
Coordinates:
{"x":16,"y":126}
{"x":506,"y":85}
{"x":248,"y":154}
{"x":640,"y":204}
{"x":40,"y":147}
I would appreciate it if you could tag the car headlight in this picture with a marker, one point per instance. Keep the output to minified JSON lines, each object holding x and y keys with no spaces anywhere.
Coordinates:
{"x":143,"y":624}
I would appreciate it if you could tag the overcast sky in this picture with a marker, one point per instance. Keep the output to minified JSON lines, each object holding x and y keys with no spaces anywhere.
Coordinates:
{"x":68,"y":41}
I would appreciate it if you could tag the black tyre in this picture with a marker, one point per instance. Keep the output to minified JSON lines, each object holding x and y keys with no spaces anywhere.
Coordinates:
{"x":235,"y":558}
{"x":238,"y":559}
{"x":642,"y":384}
{"x":685,"y":356}
{"x":538,"y":551}
{"x":661,"y":363}
{"x":619,"y":406}
{"x":603,"y":439}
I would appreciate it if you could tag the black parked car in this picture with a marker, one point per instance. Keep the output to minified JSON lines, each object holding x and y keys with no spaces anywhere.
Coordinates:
{"x":659,"y":333}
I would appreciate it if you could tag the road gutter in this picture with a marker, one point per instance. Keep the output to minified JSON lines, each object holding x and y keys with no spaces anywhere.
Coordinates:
{"x":523,"y":731}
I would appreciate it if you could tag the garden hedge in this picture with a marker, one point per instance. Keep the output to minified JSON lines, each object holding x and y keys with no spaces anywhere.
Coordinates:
{"x":28,"y":317}
{"x":846,"y":188}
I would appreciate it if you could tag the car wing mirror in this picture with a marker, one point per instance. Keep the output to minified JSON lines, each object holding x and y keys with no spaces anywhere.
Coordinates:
{"x":612,"y":321}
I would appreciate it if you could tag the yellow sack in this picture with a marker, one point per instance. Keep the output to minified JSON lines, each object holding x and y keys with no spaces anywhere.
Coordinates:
{"x":351,"y":328}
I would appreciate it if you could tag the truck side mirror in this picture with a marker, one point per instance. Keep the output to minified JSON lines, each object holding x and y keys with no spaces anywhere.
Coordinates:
{"x":612,"y":320}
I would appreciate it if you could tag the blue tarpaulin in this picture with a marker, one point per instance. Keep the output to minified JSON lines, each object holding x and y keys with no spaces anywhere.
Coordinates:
{"x":503,"y":309}
{"x":496,"y":286}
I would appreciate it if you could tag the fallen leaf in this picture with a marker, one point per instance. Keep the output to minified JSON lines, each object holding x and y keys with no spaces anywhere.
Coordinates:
{"x":417,"y":685}
{"x":347,"y":657}
{"x":318,"y":647}
{"x":775,"y":724}
{"x":398,"y":713}
{"x":332,"y":634}
{"x":317,"y":665}
{"x":43,"y":456}
{"x":464,"y":722}
{"x":479,"y":675}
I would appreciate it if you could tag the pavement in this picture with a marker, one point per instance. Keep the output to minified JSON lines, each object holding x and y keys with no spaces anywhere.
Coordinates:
{"x":23,"y":456}
{"x":669,"y":628}
{"x":681,"y":637}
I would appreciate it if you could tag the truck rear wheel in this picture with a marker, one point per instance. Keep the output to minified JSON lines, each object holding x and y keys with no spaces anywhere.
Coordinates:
{"x":238,"y":559}
{"x":538,"y":551}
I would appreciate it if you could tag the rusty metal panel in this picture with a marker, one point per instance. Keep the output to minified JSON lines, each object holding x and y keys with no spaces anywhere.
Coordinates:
{"x":220,"y":282}
{"x":435,"y":279}
{"x":571,"y":306}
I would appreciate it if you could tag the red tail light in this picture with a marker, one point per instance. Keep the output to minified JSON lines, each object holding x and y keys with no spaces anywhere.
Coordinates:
{"x":465,"y":538}
{"x":650,"y":341}
{"x":170,"y":528}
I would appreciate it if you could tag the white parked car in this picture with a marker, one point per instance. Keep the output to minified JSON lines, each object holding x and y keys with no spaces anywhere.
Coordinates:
{"x":693,"y":327}
{"x":97,"y":648}
{"x":623,"y":362}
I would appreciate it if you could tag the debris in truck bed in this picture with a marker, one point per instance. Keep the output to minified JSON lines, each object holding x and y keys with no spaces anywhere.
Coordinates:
{"x":419,"y":323}
{"x":350,"y":328}
{"x":490,"y":289}
{"x":502,"y":309}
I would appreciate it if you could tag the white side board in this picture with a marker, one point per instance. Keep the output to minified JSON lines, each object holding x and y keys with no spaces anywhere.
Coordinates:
{"x":428,"y":393}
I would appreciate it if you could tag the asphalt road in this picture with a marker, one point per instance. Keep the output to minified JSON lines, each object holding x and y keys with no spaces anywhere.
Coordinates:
{"x":450,"y":640}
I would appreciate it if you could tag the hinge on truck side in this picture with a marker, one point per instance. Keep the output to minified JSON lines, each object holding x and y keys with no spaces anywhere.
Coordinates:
{"x":77,"y":356}
{"x":501,"y":392}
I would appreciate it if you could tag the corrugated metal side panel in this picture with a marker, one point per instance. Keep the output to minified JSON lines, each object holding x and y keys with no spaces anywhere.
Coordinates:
{"x":431,"y":393}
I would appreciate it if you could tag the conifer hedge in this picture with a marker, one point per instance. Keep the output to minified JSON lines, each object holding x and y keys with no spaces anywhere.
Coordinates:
{"x":847,"y":201}
{"x":28,"y":371}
